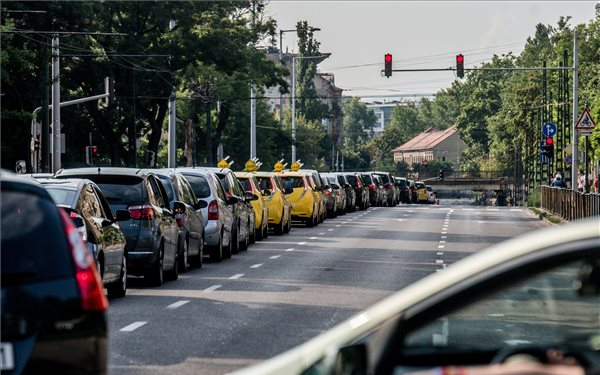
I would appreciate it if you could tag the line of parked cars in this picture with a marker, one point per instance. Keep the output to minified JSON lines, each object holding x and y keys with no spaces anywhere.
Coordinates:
{"x":150,"y":223}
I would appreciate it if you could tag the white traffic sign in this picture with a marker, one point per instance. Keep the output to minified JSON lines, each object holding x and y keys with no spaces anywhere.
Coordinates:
{"x":549,"y":129}
{"x":585,"y":121}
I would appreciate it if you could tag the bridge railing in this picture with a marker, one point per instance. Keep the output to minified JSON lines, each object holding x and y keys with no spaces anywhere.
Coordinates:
{"x":570,"y":204}
{"x":460,"y":176}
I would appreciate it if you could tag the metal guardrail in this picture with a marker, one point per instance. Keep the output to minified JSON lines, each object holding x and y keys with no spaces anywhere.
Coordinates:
{"x":570,"y":204}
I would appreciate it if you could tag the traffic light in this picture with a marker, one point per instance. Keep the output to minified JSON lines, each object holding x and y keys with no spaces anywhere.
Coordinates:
{"x":548,"y":148}
{"x":91,"y":154}
{"x":460,"y":66}
{"x":441,"y":175}
{"x":388,"y":65}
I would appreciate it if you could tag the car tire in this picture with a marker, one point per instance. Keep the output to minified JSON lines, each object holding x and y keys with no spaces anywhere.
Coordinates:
{"x":119,"y":288}
{"x":266,"y":231}
{"x":182,"y":257}
{"x":216,"y":252}
{"x":252,"y":230}
{"x":281,"y":226}
{"x":259,"y":234}
{"x":155,"y":276}
{"x":173,"y":274}
{"x":234,"y":246}
{"x":197,"y":260}
{"x":245,"y":243}
{"x":288,"y":227}
{"x":227,"y":250}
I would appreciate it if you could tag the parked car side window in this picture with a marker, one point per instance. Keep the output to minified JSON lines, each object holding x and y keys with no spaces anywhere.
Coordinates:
{"x":154,"y":193}
{"x":89,"y":208}
{"x":106,"y":210}
{"x":199,"y":185}
{"x":220,"y":190}
{"x":265,"y":183}
{"x":186,"y":193}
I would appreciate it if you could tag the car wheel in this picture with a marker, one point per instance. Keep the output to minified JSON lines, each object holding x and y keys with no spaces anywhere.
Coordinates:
{"x":156,"y":275}
{"x":252,"y":230}
{"x":235,"y":245}
{"x":227,"y":250}
{"x":259,"y":234}
{"x":288,"y":227}
{"x":281,"y":226}
{"x":182,"y":258}
{"x":246,"y":241}
{"x":197,"y":260}
{"x":119,"y":288}
{"x":216,"y":253}
{"x":266,"y":231}
{"x":173,"y":274}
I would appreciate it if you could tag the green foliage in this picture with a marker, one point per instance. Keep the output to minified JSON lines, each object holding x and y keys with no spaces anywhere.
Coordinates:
{"x":359,"y":121}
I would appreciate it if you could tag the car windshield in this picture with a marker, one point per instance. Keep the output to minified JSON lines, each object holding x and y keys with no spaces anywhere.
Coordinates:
{"x":293,"y":181}
{"x":367,"y":179}
{"x":265,"y":183}
{"x":546,"y":310}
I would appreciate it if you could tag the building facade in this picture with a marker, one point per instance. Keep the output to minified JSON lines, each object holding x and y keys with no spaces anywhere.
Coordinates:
{"x":443,"y":145}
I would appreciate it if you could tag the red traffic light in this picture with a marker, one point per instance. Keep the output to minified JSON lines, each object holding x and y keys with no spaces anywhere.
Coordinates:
{"x":460,"y":58}
{"x":388,"y":58}
{"x":549,"y":141}
{"x":94,"y":150}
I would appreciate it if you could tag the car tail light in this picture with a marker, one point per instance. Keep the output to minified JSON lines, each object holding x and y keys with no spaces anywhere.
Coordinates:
{"x":143,"y":212}
{"x":89,"y":284}
{"x":179,"y":220}
{"x":213,"y":210}
{"x":372,"y":187}
{"x":388,"y":186}
{"x":327,"y":192}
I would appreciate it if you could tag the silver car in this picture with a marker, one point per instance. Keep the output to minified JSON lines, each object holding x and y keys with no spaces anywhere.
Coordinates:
{"x":215,"y":211}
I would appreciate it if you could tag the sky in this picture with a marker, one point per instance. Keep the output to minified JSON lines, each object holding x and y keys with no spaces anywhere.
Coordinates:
{"x":418,"y":34}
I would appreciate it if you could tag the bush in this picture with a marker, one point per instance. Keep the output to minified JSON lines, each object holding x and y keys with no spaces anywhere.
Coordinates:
{"x":533,"y":198}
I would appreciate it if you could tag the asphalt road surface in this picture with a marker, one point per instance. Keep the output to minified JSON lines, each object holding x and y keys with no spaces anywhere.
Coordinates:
{"x":287,"y":289}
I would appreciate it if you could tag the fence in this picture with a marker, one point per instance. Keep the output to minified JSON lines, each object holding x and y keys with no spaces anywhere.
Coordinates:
{"x":570,"y":204}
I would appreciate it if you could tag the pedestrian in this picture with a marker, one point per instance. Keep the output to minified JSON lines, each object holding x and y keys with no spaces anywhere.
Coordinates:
{"x":581,"y":181}
{"x":596,"y":184}
{"x":558,"y":181}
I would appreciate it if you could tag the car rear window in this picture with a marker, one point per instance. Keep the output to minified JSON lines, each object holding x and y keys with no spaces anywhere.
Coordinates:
{"x":367,"y":179}
{"x":33,"y":245}
{"x":384,"y":178}
{"x":199,"y":185}
{"x":265,"y":183}
{"x":120,"y":190}
{"x":62,"y":196}
{"x":352,"y":180}
{"x":419,"y":185}
{"x":401,"y":182}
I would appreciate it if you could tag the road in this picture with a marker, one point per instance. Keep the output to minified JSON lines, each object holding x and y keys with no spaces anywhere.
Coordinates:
{"x":287,"y":289}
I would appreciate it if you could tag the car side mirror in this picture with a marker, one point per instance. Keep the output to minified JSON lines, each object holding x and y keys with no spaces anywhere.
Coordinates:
{"x":201,"y":204}
{"x":178,"y":208}
{"x":123,"y":215}
{"x":347,"y":186}
{"x":232,"y":200}
{"x":289,"y":190}
{"x":266,"y":192}
{"x":250,"y":196}
{"x":335,"y":187}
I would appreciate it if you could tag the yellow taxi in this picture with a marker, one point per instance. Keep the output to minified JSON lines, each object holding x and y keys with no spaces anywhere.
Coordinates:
{"x":317,"y":185}
{"x":302,"y":196}
{"x":422,"y":193}
{"x":261,"y":211}
{"x":279,"y":208}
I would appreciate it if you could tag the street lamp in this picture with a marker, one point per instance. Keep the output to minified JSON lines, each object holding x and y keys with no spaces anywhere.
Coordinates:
{"x":281,"y":61}
{"x":294,"y":58}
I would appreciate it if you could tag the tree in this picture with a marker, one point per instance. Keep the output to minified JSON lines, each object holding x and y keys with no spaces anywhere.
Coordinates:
{"x":359,"y":121}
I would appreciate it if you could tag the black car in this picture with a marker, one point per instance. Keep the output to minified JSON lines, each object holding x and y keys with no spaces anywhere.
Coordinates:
{"x":54,"y":311}
{"x":91,"y":213}
{"x":152,"y":232}
{"x":402,"y":185}
{"x":361,"y":190}
{"x":191,"y":223}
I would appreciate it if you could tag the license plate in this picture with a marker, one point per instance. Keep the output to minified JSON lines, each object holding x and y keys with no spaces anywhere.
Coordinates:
{"x":7,"y":357}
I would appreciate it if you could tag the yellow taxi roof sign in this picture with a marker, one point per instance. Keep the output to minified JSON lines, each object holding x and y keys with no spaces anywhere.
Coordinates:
{"x":295,"y":166}
{"x":250,"y":166}
{"x":223,"y":164}
{"x":279,"y":166}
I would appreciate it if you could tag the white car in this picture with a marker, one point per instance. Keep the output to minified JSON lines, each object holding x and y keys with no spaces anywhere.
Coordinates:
{"x":530,"y":305}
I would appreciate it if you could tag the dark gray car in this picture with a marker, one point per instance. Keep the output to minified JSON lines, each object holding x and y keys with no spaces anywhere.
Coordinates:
{"x":152,"y":231}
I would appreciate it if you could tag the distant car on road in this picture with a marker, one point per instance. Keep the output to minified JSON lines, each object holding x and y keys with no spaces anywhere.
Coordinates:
{"x":54,"y":311}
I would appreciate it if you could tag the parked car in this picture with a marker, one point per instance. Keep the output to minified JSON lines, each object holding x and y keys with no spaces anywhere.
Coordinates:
{"x":432,"y":195}
{"x":261,"y":211}
{"x":391,"y":192}
{"x":54,"y":311}
{"x":152,"y":232}
{"x":243,"y":213}
{"x":414,"y":198}
{"x":302,"y":196}
{"x":350,"y":193}
{"x":87,"y":207}
{"x":214,"y":205}
{"x":336,"y":202}
{"x":529,"y":305}
{"x":274,"y":194}
{"x":317,"y":184}
{"x":374,"y":191}
{"x":361,"y":190}
{"x":404,"y":190}
{"x":422,"y":193}
{"x":190,"y":245}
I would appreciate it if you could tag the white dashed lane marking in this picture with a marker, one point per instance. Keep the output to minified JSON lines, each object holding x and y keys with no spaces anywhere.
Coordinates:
{"x":236,"y":276}
{"x":212,"y":288}
{"x":256,"y":265}
{"x":132,"y":326}
{"x":274,"y":257}
{"x":177,"y":304}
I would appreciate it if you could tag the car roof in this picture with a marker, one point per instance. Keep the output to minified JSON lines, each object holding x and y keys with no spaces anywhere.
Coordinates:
{"x":12,"y":181}
{"x":111,"y":171}
{"x":72,"y":183}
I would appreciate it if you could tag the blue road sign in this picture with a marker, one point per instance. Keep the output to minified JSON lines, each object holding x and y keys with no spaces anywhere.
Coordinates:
{"x":549,"y":129}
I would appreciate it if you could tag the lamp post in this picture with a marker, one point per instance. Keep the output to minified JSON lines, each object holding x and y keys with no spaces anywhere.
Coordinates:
{"x":294,"y":58}
{"x":281,"y":61}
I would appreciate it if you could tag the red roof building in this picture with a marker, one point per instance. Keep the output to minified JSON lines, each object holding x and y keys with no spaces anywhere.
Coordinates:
{"x":432,"y":144}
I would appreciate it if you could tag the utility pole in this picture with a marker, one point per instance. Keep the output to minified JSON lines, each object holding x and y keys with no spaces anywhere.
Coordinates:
{"x":253,"y":122}
{"x":172,"y":159}
{"x":56,"y":146}
{"x":575,"y":153}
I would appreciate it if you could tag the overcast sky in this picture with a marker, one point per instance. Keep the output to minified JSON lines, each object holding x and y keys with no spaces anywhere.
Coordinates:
{"x":419,"y":34}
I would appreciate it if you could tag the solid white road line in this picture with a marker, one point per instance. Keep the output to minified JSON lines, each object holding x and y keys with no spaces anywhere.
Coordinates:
{"x":132,"y":326}
{"x":177,"y":304}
